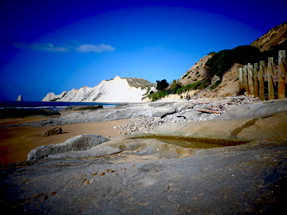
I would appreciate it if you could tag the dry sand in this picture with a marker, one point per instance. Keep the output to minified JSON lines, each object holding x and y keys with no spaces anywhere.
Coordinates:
{"x":17,"y":142}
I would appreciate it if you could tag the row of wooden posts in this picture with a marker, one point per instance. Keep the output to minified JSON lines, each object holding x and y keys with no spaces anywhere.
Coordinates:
{"x":252,"y":78}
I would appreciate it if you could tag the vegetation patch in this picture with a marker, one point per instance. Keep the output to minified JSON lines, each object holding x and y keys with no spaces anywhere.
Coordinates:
{"x":222,"y":61}
{"x":154,"y":96}
{"x":215,"y":85}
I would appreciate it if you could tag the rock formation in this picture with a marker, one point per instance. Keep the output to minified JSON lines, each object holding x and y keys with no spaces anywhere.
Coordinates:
{"x":115,"y":90}
{"x":77,"y":143}
{"x":19,"y":99}
{"x":144,"y":174}
{"x":275,"y":36}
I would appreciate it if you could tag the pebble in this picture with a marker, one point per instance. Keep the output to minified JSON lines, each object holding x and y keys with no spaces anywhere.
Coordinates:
{"x":145,"y":123}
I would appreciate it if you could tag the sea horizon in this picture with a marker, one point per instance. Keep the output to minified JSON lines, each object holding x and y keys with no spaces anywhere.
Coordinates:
{"x":52,"y":105}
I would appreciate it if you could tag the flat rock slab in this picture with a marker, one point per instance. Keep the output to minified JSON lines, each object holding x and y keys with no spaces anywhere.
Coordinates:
{"x":245,"y":181}
{"x":255,"y":110}
{"x":13,"y":112}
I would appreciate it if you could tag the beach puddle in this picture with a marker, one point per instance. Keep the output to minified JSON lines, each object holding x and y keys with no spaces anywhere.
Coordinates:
{"x":196,"y":142}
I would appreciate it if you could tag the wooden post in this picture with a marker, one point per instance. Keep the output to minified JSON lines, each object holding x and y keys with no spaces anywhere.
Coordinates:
{"x":250,"y":79}
{"x":240,"y":79}
{"x":245,"y":79}
{"x":256,"y":80}
{"x":281,"y":74}
{"x":270,"y":79}
{"x":261,"y":80}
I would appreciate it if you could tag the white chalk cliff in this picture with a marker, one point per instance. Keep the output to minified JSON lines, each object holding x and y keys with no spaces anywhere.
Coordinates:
{"x":115,"y":90}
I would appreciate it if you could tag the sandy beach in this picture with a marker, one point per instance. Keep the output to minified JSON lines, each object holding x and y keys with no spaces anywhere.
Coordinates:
{"x":17,"y":142}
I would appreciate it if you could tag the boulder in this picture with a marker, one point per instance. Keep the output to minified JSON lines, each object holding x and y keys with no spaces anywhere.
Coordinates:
{"x":163,"y":111}
{"x":191,"y":114}
{"x":78,"y":143}
{"x":53,"y":131}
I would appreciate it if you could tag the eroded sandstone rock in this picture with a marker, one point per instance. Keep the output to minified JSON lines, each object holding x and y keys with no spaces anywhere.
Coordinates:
{"x":53,"y":131}
{"x":78,"y":143}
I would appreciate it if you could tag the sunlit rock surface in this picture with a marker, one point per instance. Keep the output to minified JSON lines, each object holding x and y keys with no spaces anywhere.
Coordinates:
{"x":115,"y":90}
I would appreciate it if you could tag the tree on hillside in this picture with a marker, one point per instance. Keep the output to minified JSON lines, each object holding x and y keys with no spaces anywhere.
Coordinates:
{"x":161,"y":85}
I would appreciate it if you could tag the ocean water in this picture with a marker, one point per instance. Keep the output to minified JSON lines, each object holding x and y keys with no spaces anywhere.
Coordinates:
{"x":50,"y":105}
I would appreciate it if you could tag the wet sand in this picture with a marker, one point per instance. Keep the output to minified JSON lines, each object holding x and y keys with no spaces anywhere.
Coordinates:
{"x":17,"y":142}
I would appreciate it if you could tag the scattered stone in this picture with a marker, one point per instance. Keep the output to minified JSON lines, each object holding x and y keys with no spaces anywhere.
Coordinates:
{"x":185,"y":113}
{"x":101,"y":174}
{"x":36,"y":196}
{"x":54,"y":131}
{"x":44,"y":199}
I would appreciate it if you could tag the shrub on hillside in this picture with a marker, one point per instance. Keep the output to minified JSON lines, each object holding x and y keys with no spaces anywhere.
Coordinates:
{"x":175,"y":86}
{"x":223,"y":60}
{"x":158,"y":95}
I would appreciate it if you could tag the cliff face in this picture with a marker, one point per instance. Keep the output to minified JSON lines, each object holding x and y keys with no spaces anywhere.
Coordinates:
{"x":115,"y":90}
{"x":273,"y":37}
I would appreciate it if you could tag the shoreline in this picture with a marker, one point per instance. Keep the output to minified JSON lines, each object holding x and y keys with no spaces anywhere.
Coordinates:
{"x":21,"y":135}
{"x":16,"y":142}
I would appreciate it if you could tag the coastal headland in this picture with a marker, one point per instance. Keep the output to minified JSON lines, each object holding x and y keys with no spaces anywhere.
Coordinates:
{"x":194,"y":146}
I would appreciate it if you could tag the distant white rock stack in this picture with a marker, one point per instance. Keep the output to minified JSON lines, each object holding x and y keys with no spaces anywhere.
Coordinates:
{"x":115,"y":90}
{"x":19,"y":99}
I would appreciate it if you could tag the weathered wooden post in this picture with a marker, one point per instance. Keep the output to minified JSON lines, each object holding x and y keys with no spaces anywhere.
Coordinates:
{"x":245,"y":79}
{"x":240,"y":79}
{"x":261,"y":80}
{"x":256,"y":80}
{"x":281,"y":74}
{"x":250,"y":79}
{"x":270,"y":79}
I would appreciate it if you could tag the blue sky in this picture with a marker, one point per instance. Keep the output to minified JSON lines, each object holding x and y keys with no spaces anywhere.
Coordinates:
{"x":51,"y":46}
